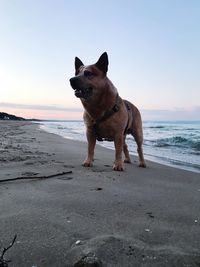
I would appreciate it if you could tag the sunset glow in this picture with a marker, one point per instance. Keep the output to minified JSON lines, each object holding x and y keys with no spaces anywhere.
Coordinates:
{"x":153,"y":49}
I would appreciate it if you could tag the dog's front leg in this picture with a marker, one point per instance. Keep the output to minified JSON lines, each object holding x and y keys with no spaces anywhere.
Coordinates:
{"x":91,"y":145}
{"x":119,"y":142}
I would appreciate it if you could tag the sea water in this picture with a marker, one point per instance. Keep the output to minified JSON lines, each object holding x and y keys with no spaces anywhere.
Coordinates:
{"x":171,"y":143}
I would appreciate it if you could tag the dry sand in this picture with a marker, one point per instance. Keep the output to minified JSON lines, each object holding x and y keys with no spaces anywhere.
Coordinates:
{"x":92,"y":216}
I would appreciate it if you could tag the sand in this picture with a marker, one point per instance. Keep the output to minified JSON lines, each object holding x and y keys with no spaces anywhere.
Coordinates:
{"x":92,"y":216}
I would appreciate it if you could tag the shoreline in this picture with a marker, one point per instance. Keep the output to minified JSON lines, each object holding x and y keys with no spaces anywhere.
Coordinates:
{"x":139,"y":217}
{"x":175,"y":163}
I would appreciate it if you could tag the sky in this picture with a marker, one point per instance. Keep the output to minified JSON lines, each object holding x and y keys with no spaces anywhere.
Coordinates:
{"x":153,"y":48}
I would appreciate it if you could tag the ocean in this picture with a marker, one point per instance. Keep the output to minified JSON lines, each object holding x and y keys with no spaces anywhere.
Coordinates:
{"x":175,"y":144}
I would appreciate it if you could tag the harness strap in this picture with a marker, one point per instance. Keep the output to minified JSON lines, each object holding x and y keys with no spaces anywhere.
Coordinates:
{"x":106,"y":115}
{"x":127,"y":104}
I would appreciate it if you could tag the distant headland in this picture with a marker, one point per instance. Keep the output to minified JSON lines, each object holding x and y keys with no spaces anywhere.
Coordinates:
{"x":6,"y":116}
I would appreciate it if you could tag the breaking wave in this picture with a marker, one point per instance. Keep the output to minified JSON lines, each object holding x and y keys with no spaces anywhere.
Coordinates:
{"x":178,"y":141}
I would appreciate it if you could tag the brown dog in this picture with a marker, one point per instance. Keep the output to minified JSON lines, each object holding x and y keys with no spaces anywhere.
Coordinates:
{"x":106,"y":116}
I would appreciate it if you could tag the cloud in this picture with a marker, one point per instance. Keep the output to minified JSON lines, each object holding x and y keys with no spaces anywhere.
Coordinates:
{"x":147,"y":114}
{"x":39,"y":107}
{"x":197,"y":108}
{"x":174,"y":114}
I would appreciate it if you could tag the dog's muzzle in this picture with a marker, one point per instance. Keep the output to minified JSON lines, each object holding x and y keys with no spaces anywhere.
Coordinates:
{"x":80,"y":91}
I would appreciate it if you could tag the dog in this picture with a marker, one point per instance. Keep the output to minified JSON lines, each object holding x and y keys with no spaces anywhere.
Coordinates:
{"x":106,"y":115}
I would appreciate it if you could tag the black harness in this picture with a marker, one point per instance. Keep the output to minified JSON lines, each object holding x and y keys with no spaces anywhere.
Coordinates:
{"x":107,"y":115}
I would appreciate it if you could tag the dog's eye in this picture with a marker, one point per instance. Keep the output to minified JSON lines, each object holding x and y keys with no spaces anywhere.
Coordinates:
{"x":88,"y":74}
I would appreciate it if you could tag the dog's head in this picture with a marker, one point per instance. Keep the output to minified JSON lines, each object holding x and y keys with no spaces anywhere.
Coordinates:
{"x":88,"y":79}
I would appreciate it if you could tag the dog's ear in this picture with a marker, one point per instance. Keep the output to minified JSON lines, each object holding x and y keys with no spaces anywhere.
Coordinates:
{"x":78,"y":63}
{"x":102,"y":63}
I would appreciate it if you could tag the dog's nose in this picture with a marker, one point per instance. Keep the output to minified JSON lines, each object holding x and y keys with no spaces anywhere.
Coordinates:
{"x":73,"y":82}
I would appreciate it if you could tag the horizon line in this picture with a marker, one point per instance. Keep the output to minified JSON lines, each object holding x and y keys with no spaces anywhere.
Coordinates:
{"x":76,"y":109}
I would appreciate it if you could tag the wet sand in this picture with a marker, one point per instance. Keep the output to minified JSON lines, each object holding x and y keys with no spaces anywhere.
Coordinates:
{"x":92,"y":216}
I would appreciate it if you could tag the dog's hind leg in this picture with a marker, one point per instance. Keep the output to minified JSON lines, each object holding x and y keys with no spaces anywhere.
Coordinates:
{"x":126,"y":153}
{"x":119,"y":143}
{"x":141,"y":156}
{"x":139,"y":141}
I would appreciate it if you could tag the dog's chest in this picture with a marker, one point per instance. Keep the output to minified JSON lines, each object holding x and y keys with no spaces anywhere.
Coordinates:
{"x":103,"y":133}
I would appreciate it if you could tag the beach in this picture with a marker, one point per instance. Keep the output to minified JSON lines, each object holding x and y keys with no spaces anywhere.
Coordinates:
{"x":66,"y":215}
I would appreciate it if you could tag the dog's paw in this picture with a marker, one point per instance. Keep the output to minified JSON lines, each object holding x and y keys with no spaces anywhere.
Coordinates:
{"x":118,"y":167}
{"x":127,"y":161}
{"x":142,"y":165}
{"x":87,"y":163}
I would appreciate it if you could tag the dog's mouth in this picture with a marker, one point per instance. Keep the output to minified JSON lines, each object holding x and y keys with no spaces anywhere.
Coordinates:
{"x":84,"y":92}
